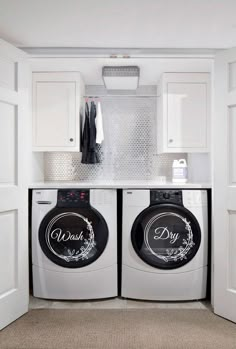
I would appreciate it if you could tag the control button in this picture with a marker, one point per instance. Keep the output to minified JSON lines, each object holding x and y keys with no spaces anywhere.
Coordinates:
{"x":166,"y":196}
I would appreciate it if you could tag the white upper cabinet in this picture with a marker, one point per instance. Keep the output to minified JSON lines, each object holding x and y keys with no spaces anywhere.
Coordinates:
{"x":183,"y":106}
{"x":57,"y":104}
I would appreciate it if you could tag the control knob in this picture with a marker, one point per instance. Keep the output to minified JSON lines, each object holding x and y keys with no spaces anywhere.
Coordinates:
{"x":166,"y":196}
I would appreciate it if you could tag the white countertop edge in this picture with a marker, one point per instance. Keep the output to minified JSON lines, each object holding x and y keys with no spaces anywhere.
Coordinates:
{"x":118,"y":185}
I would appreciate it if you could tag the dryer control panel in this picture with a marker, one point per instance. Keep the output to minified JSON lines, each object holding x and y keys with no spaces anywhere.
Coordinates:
{"x":166,"y":196}
{"x":73,"y":198}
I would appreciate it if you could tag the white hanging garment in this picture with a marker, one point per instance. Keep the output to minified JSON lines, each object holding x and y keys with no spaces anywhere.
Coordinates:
{"x":99,"y":125}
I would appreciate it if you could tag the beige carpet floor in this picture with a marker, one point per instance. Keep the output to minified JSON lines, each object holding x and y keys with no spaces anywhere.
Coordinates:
{"x":119,"y":328}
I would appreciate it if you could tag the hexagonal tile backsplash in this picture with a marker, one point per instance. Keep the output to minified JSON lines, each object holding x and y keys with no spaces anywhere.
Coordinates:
{"x":129,"y":149}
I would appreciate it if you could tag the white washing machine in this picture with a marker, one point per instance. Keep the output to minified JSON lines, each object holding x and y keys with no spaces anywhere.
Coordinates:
{"x":164,"y":244}
{"x":74,"y":243}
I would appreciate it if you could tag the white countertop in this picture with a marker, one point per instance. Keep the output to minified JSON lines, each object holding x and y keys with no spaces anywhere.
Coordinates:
{"x":124,"y":184}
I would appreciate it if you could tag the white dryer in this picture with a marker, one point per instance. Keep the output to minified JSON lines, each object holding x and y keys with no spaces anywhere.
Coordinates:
{"x":164,"y":244}
{"x":74,"y":243}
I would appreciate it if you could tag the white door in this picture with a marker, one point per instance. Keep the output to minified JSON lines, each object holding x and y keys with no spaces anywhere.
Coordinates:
{"x":224,"y":196}
{"x":14,"y":290}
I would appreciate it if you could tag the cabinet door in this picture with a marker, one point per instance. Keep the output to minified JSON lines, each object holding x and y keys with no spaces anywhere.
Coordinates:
{"x":184,"y":113}
{"x":187,"y":115}
{"x":56,"y":110}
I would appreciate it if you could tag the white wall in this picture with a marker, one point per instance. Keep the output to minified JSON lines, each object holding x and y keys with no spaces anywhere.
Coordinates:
{"x":151,"y":68}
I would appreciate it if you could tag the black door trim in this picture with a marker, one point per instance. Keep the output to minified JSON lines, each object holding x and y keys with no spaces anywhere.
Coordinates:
{"x":96,"y":236}
{"x":138,"y":234}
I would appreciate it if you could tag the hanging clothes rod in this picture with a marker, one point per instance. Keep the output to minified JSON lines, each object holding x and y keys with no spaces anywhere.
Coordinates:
{"x":129,"y":96}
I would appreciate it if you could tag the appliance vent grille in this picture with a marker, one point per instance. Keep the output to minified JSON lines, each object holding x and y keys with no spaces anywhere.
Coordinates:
{"x":121,"y":71}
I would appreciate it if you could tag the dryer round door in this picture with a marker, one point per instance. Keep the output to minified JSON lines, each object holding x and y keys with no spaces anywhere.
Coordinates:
{"x":73,"y":238}
{"x":166,"y":236}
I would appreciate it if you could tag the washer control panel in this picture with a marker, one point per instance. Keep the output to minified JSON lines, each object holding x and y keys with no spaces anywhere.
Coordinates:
{"x":73,"y":198}
{"x":166,"y":196}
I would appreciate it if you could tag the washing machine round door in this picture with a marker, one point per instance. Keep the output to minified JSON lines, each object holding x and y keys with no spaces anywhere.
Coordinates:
{"x":73,"y":238}
{"x":166,"y":236}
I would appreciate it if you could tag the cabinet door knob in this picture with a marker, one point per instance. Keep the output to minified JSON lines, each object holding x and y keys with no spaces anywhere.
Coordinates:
{"x":71,"y":139}
{"x":170,"y":140}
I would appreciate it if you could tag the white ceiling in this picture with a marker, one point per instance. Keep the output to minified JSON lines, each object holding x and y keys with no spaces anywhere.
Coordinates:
{"x":119,"y":23}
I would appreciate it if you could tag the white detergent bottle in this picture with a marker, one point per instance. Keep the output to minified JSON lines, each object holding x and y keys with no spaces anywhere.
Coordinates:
{"x":179,"y":171}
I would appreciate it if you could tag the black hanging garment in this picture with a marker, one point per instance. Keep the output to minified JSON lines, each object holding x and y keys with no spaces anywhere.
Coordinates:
{"x":89,"y":147}
{"x":93,"y":156}
{"x":85,"y":136}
